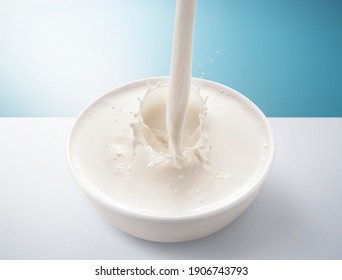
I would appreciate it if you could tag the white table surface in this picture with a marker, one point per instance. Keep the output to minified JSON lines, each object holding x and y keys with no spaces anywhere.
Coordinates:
{"x":297,"y":214}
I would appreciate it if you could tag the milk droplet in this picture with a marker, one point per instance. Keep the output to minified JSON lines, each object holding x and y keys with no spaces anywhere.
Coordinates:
{"x":218,"y":175}
{"x":180,"y":176}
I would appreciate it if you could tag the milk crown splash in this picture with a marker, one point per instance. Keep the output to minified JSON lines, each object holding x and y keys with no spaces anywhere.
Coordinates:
{"x":180,"y":75}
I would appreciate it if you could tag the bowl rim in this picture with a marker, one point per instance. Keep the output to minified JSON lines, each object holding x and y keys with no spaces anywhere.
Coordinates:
{"x":103,"y":200}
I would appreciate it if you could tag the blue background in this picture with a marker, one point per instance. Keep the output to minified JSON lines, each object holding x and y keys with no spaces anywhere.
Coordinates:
{"x":57,"y":56}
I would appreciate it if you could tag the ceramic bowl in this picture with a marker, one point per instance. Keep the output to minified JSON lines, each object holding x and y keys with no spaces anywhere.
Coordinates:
{"x":168,"y":228}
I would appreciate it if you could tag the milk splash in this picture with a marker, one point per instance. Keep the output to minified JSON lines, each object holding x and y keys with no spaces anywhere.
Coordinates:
{"x":151,"y":132}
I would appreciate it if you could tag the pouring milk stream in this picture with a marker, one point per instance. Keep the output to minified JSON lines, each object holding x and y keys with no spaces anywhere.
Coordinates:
{"x":180,"y":74}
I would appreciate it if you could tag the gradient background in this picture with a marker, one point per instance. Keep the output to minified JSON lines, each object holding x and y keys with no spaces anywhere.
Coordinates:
{"x":57,"y":56}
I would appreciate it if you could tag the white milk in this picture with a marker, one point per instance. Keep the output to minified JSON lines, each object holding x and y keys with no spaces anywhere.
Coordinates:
{"x":174,"y":130}
{"x":180,"y":74}
{"x":102,"y":152}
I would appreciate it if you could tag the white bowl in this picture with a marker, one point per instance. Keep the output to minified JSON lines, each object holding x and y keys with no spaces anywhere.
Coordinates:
{"x":165,"y":227}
